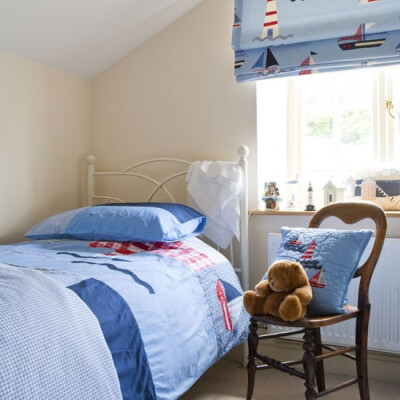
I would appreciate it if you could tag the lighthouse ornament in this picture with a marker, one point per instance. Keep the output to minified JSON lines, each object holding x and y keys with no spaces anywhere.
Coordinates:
{"x":310,"y":206}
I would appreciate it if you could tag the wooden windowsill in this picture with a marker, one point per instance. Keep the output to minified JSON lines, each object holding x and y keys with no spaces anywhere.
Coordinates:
{"x":280,"y":212}
{"x":294,"y":212}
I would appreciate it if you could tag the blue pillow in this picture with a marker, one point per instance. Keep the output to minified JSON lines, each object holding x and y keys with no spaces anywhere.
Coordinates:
{"x":139,"y":222}
{"x":330,"y":257}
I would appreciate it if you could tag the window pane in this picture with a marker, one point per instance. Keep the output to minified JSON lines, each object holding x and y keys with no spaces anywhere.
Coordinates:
{"x":395,"y":73}
{"x":337,"y":124}
{"x":336,"y":127}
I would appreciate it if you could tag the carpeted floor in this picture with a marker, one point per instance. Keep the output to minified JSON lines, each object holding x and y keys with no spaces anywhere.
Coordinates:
{"x":228,"y":381}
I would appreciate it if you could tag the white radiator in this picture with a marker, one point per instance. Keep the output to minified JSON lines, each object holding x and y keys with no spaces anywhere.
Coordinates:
{"x":384,"y":293}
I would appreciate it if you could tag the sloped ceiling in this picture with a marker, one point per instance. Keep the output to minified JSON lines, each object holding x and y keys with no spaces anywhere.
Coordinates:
{"x":83,"y":37}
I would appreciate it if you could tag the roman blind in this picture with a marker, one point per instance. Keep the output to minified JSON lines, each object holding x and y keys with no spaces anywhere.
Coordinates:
{"x":274,"y":38}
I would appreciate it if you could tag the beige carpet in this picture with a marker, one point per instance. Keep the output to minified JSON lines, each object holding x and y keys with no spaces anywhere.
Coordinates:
{"x":227,"y":381}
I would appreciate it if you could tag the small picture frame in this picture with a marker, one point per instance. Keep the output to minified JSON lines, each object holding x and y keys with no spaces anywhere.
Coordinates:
{"x":271,"y":196}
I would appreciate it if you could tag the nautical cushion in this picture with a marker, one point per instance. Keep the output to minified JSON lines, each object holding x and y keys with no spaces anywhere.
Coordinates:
{"x":329,"y":257}
{"x":140,"y":222}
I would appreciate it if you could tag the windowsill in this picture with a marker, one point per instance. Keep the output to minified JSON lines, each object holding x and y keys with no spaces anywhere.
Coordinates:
{"x":280,"y":212}
{"x":294,"y":212}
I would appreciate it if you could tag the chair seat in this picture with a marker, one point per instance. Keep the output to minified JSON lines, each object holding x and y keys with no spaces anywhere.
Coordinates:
{"x":312,"y":321}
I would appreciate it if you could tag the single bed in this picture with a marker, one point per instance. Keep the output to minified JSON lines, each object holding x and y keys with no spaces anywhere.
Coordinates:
{"x":92,"y":308}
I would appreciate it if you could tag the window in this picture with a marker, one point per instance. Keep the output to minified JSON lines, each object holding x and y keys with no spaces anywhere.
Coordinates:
{"x":330,"y":126}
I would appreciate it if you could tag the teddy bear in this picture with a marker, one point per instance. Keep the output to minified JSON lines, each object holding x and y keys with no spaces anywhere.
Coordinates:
{"x":285,"y":293}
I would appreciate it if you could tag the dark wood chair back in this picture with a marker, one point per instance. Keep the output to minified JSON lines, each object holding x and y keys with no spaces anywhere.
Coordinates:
{"x":351,"y":213}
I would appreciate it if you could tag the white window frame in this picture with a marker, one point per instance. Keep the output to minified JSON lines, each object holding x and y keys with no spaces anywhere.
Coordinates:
{"x":280,"y":113}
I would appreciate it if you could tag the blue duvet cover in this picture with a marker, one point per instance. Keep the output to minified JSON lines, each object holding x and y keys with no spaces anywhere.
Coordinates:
{"x":167,"y":311}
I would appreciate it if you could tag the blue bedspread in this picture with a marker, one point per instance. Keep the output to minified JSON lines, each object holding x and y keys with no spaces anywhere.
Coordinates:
{"x":167,"y":311}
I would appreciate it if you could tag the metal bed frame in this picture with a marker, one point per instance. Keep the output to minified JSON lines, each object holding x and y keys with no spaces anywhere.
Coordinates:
{"x":242,"y":269}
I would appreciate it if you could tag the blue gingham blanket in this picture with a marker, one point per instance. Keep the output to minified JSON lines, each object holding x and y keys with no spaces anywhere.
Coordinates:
{"x":51,"y":345}
{"x":166,"y":311}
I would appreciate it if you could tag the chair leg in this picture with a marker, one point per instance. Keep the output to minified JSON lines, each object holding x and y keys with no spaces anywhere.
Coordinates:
{"x":319,"y":371}
{"x":309,"y":364}
{"x":362,"y":354}
{"x":251,"y":365}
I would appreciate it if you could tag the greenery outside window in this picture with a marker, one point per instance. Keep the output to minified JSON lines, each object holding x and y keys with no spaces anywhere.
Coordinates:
{"x":332,"y":126}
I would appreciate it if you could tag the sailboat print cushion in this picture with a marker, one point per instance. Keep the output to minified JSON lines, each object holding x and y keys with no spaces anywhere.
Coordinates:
{"x":329,"y":257}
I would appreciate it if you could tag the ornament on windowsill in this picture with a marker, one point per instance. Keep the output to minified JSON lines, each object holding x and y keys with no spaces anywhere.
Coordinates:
{"x":292,"y":202}
{"x":310,"y":206}
{"x":333,"y":193}
{"x":271,"y":196}
{"x":368,"y":189}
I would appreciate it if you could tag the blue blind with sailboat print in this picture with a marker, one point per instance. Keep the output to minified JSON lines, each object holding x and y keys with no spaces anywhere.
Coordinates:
{"x":274,"y":38}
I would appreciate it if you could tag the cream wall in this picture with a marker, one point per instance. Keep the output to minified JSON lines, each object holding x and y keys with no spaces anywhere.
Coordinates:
{"x":44,"y":131}
{"x":177,"y":96}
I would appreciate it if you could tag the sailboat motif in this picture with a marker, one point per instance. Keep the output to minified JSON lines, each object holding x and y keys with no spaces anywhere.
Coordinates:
{"x":238,"y":63}
{"x":271,"y":29}
{"x":318,"y":280}
{"x":266,"y":63}
{"x":239,"y":58}
{"x":358,"y":41}
{"x":237,"y":21}
{"x":308,"y":61}
{"x":298,"y":241}
{"x":296,"y":245}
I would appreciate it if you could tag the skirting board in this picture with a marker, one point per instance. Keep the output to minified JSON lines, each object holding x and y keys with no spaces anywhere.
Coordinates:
{"x":381,"y":366}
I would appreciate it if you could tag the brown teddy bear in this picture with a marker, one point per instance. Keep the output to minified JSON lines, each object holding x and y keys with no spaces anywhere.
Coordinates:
{"x":285,"y":293}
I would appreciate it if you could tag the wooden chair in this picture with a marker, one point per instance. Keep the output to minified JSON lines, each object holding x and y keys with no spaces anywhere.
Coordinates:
{"x":313,"y":374}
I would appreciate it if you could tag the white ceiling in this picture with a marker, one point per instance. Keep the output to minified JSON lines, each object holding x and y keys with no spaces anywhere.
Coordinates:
{"x":83,"y":37}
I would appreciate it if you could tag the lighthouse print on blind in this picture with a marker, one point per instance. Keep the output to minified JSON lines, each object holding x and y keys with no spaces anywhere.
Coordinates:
{"x":274,"y":38}
{"x":271,"y":28}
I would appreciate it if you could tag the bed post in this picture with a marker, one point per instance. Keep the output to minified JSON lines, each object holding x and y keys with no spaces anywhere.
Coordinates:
{"x":90,"y":163}
{"x":243,"y":152}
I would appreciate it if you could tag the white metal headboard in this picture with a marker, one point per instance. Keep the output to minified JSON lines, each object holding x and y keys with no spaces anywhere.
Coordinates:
{"x":159,"y":185}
